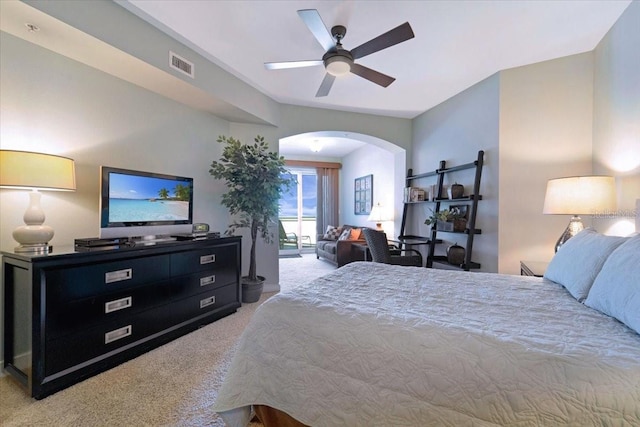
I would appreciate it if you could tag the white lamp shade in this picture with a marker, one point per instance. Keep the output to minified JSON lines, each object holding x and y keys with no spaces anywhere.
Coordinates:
{"x":28,"y":170}
{"x":580,"y":195}
{"x":378,"y":214}
{"x":35,"y":171}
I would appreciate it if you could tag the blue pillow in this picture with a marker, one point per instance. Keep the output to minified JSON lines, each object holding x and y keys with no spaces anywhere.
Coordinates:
{"x":616,"y":290}
{"x":578,"y":262}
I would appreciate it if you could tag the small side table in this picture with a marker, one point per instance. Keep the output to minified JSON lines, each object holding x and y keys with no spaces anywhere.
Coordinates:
{"x":533,"y":268}
{"x":362,"y":249}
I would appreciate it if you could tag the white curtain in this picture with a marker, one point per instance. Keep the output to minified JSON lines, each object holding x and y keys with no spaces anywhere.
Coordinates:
{"x":328,"y":198}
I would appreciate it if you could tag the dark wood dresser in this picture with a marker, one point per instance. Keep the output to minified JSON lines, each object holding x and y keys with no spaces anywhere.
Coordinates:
{"x":69,"y":315}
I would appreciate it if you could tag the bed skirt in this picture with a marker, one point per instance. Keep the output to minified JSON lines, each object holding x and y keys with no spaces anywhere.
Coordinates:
{"x":272,"y":417}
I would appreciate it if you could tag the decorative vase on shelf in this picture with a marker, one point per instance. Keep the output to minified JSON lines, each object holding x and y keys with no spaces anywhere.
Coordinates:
{"x":457,"y":191}
{"x":455,"y":254}
{"x":459,"y":224}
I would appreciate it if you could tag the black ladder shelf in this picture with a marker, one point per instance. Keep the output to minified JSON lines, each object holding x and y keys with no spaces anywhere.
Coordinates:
{"x":471,"y":200}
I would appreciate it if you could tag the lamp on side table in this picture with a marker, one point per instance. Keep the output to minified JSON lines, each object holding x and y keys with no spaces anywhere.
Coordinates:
{"x":579,"y":195}
{"x":379,"y":215}
{"x":24,"y":170}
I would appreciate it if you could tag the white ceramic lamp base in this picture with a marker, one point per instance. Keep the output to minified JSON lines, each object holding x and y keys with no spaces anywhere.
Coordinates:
{"x":33,"y":237}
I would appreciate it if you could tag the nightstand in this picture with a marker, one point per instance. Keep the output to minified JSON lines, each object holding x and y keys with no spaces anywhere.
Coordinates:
{"x":362,"y":251}
{"x":533,"y":268}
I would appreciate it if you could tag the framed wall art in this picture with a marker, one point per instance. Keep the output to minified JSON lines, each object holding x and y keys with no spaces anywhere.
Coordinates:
{"x":363,"y":195}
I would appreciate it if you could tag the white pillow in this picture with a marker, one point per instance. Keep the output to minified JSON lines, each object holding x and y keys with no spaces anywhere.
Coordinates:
{"x":616,"y":290}
{"x":578,"y":262}
{"x":346,"y":234}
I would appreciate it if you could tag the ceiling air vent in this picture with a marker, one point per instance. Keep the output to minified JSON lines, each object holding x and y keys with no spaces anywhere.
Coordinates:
{"x":179,"y":63}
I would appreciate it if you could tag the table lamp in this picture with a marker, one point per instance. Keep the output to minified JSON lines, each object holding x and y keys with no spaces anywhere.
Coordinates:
{"x":579,"y":195}
{"x":35,"y":171}
{"x":378,"y":215}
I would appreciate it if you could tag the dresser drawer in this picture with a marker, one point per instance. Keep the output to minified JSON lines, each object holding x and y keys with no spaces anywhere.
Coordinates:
{"x":105,"y":338}
{"x":78,"y":282}
{"x":207,"y":280}
{"x":215,"y":258}
{"x":68,"y":317}
{"x":204,"y":303}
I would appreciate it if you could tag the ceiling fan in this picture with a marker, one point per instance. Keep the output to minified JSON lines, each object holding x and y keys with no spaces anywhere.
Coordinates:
{"x":339,"y":61}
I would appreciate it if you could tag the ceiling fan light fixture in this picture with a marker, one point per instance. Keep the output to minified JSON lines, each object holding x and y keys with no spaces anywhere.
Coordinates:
{"x":338,"y":66}
{"x":315,"y":146}
{"x":339,"y":61}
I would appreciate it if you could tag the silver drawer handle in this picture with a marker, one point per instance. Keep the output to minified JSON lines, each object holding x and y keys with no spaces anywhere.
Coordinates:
{"x":117,"y":334}
{"x":204,"y":281}
{"x":118,"y":304}
{"x":207,"y":302}
{"x":118,"y":276}
{"x":208,"y":259}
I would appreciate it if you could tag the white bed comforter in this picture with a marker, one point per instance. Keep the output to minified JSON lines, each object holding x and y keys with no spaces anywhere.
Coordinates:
{"x":378,"y":345}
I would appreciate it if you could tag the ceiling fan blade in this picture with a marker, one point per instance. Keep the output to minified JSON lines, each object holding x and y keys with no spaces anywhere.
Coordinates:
{"x":312,"y":19}
{"x":325,"y":86}
{"x":291,"y":64}
{"x":392,"y":37}
{"x":372,"y":75}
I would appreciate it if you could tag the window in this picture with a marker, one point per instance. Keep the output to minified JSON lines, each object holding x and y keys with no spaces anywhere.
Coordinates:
{"x":298,"y":212}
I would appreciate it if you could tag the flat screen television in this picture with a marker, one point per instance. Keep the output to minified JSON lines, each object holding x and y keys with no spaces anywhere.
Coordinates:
{"x":144,"y":204}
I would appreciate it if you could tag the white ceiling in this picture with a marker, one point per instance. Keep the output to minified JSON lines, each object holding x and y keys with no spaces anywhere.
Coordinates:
{"x":457,"y":43}
{"x":320,"y":144}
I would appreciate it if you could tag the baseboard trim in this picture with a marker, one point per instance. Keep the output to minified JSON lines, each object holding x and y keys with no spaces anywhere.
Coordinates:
{"x":274,"y":287}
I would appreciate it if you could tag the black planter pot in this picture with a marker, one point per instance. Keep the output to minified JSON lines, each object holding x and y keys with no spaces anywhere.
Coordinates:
{"x":251,"y":291}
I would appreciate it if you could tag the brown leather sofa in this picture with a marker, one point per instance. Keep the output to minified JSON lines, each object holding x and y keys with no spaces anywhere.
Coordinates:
{"x":339,"y":252}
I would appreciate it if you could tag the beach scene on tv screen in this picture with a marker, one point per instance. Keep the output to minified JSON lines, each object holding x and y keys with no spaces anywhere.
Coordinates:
{"x":138,"y":198}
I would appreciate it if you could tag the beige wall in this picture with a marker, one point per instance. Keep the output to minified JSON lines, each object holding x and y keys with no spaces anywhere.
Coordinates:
{"x":616,"y":124}
{"x":545,"y":132}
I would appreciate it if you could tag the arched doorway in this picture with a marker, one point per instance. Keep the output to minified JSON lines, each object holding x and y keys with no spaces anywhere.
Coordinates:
{"x":358,"y":154}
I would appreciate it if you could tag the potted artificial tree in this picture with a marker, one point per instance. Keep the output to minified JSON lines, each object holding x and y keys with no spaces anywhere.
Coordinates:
{"x":255,"y":178}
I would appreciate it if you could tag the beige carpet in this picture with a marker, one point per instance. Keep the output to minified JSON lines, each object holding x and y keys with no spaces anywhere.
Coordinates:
{"x":173,"y":385}
{"x":299,"y":270}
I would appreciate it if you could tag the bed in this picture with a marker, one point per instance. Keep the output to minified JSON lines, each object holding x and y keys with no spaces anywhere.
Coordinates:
{"x":374,"y":344}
